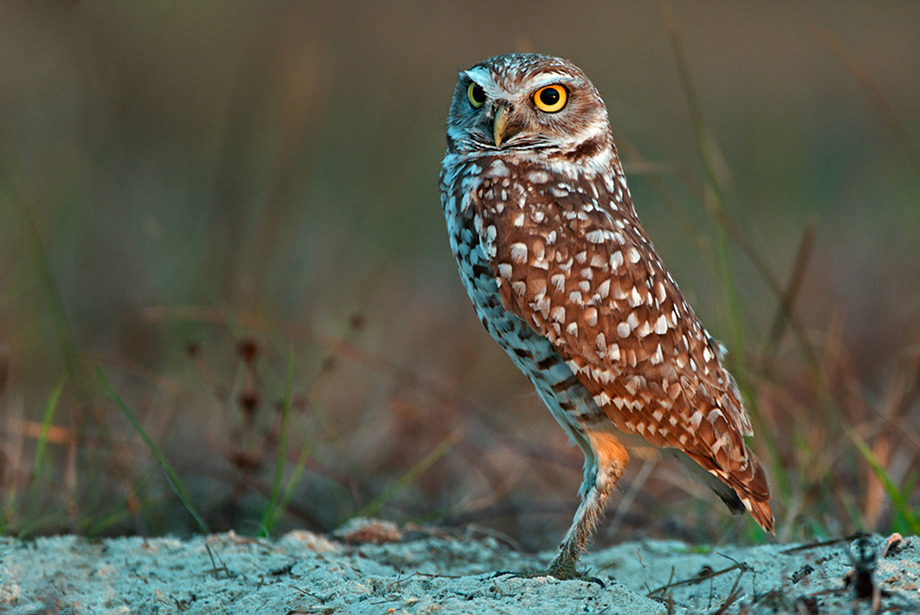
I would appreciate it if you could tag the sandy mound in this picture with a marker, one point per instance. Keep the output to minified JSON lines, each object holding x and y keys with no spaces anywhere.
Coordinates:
{"x":433,"y":572}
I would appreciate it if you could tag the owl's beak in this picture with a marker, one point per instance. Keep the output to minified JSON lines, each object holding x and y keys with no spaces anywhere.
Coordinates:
{"x":502,"y":128}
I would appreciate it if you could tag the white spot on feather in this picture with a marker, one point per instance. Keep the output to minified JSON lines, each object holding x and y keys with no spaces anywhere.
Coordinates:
{"x":604,"y":289}
{"x":696,"y":419}
{"x":601,"y":343}
{"x":596,"y":236}
{"x":590,"y":316}
{"x":658,"y":357}
{"x":477,"y":223}
{"x":634,"y":298}
{"x":499,"y":169}
{"x":518,"y":252}
{"x":633,"y":320}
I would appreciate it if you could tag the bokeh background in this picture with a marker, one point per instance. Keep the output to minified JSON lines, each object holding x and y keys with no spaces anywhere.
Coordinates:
{"x":228,"y":212}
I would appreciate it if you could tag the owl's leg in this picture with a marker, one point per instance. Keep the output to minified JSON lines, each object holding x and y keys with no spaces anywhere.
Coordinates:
{"x":611,"y":459}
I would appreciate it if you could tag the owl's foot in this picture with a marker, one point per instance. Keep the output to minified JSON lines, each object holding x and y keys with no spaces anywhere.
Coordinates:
{"x":566,"y":571}
{"x":575,"y":575}
{"x":563,"y":568}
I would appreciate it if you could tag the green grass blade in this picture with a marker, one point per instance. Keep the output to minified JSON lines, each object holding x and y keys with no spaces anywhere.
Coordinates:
{"x":59,"y":314}
{"x":171,"y":476}
{"x":273,"y":507}
{"x":295,"y":477}
{"x":898,"y":499}
{"x":411,"y":476}
{"x":50,"y":408}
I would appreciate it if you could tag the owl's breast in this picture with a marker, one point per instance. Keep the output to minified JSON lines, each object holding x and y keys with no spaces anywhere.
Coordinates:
{"x":473,"y":248}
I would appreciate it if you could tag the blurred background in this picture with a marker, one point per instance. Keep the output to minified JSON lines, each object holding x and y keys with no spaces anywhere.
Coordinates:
{"x":220,"y":220}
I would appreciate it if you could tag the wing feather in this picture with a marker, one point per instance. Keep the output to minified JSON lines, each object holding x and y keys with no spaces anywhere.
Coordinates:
{"x":576,"y":265}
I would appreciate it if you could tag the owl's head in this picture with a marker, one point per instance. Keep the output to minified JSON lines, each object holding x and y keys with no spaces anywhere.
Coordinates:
{"x":515,"y":102}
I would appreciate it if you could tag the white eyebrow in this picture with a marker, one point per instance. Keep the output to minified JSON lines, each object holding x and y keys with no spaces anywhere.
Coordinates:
{"x":482,"y":76}
{"x":549,"y":78}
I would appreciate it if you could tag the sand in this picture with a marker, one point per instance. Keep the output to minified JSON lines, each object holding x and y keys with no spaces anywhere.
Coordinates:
{"x":373,"y":567}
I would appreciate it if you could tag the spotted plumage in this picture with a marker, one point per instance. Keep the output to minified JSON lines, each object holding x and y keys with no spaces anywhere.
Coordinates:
{"x":562,"y":274}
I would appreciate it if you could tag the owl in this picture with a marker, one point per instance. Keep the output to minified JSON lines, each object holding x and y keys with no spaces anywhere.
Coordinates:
{"x":563,"y":276}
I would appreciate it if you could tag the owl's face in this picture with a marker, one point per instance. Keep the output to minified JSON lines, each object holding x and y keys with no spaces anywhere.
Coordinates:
{"x":531,"y":102}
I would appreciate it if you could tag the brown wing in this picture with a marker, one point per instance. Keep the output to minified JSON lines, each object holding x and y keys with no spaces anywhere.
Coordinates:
{"x":575,"y":264}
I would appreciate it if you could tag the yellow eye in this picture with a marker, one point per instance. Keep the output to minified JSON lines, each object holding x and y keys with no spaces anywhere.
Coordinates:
{"x":476,"y":95}
{"x":551,"y":98}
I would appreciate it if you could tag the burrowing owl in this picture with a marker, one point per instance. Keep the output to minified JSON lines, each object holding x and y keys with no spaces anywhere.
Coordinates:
{"x":564,"y":277}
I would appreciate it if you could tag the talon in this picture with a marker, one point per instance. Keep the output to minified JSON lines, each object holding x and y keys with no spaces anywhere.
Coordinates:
{"x":567,"y":572}
{"x":514,"y":573}
{"x":563,"y":570}
{"x":520,"y":575}
{"x":596,"y":580}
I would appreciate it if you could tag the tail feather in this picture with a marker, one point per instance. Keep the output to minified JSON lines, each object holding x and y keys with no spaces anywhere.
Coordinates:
{"x":761,"y":512}
{"x":741,"y":491}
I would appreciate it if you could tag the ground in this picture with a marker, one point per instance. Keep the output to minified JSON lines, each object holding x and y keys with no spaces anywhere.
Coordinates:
{"x":373,"y":567}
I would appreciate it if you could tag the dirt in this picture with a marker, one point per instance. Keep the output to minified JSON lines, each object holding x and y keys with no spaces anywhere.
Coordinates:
{"x":374,"y":567}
